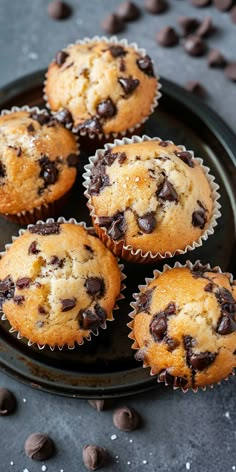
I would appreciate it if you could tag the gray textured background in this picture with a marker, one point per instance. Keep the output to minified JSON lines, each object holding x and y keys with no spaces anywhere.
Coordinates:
{"x":179,"y":430}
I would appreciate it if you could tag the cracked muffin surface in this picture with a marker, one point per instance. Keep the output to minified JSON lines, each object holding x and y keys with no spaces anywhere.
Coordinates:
{"x":185,"y":326}
{"x":96,"y":84}
{"x":37,"y":161}
{"x":58,"y":283}
{"x":152,"y":195}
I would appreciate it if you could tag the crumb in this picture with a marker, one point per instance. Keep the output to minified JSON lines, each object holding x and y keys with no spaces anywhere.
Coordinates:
{"x":188,"y":465}
{"x":11,"y":463}
{"x":24,"y":400}
{"x":144,"y":462}
{"x":131,"y":440}
{"x":44,"y":468}
{"x":227,"y":415}
{"x":128,"y":462}
{"x":113,"y":437}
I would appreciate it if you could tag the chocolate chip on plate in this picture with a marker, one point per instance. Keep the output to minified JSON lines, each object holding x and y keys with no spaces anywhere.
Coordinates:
{"x":128,"y":84}
{"x":94,"y":286}
{"x":195,"y":87}
{"x":223,"y":5}
{"x":128,"y":11}
{"x":167,"y":37}
{"x":39,"y":447}
{"x":94,"y":456}
{"x":194,"y":46}
{"x":233,"y":14}
{"x":112,"y":24}
{"x":230,"y":71}
{"x":61,"y":57}
{"x":147,"y":223}
{"x":216,"y":59}
{"x":126,"y":419}
{"x":145,"y":65}
{"x":205,"y":28}
{"x":68,"y":304}
{"x":188,"y":24}
{"x":167,"y":192}
{"x":186,"y":157}
{"x":156,"y":6}
{"x":7,"y":402}
{"x":106,"y":108}
{"x":59,"y":10}
{"x":200,"y":3}
{"x":45,"y":229}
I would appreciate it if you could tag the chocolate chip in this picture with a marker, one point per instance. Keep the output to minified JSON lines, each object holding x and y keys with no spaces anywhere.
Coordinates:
{"x":144,"y":301}
{"x":230,"y":70}
{"x":171,"y":343}
{"x":39,"y":324}
{"x":112,"y":24}
{"x":186,"y":157}
{"x":105,"y":221}
{"x":147,"y":223}
{"x":202,"y":360}
{"x":174,"y":381}
{"x":158,"y":325}
{"x":226,"y":325}
{"x":72,"y":160}
{"x":68,"y":304}
{"x":226,"y":300}
{"x":22,"y":283}
{"x":233,"y":14}
{"x":94,"y":456}
{"x":128,"y":11}
{"x":188,"y":24}
{"x":106,"y":108}
{"x":7,"y":290}
{"x":30,"y":128}
{"x":92,"y":320}
{"x":61,"y":57}
{"x":2,"y":170}
{"x":49,"y":172}
{"x":45,"y":229}
{"x":216,"y":59}
{"x":145,"y":65}
{"x":100,"y":312}
{"x":205,"y":28}
{"x":195,"y":87}
{"x":95,"y":286}
{"x":126,"y":419}
{"x":64,"y":116}
{"x":167,"y":192}
{"x":88,"y":248}
{"x":100,"y":405}
{"x":117,"y":51}
{"x":109,"y":157}
{"x":58,"y":10}
{"x":19,"y":299}
{"x":195,"y":46}
{"x":209,"y":287}
{"x":167,"y":37}
{"x":200,"y":3}
{"x":56,"y":261}
{"x":199,"y":218}
{"x":7,"y":402}
{"x":223,"y":5}
{"x":91,"y":125}
{"x":99,"y":179}
{"x":39,"y":447}
{"x":42,"y":310}
{"x":118,"y":227}
{"x":33,"y":249}
{"x":140,"y":355}
{"x":128,"y":84}
{"x":41,"y":117}
{"x":156,"y":6}
{"x":18,"y":151}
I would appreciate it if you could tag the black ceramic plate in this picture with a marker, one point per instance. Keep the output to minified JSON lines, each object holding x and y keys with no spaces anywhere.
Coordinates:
{"x":105,"y":366}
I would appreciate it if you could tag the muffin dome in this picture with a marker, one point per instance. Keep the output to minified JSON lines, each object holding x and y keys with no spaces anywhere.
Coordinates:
{"x":65,"y":288}
{"x":96,"y":84}
{"x":37,"y":160}
{"x":185,"y":326}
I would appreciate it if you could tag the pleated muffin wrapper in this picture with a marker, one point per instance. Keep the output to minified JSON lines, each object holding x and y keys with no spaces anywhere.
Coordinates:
{"x":127,"y":252}
{"x":103,"y":326}
{"x":163,"y":377}
{"x":45,"y":210}
{"x":87,"y":135}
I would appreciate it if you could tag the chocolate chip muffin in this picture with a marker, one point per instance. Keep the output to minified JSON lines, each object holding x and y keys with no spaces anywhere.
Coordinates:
{"x":94,"y":84}
{"x":185,"y":326}
{"x":37,"y":164}
{"x":150,"y":198}
{"x":65,"y":288}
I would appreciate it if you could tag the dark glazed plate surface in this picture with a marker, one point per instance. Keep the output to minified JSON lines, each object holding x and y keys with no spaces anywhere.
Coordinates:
{"x":106,"y":366}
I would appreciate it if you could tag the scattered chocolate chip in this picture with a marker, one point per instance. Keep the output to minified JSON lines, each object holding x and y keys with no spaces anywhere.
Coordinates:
{"x":7,"y":290}
{"x":33,"y":248}
{"x":41,"y":117}
{"x":58,"y":10}
{"x":128,"y":11}
{"x":223,"y":5}
{"x":158,"y":325}
{"x":199,"y":218}
{"x":233,"y":14}
{"x":95,"y":286}
{"x":42,"y":310}
{"x":144,"y":301}
{"x":30,"y":128}
{"x":205,"y":28}
{"x":64,"y":116}
{"x":230,"y":70}
{"x":195,"y":87}
{"x":167,"y":37}
{"x":186,"y":157}
{"x":45,"y":229}
{"x":100,"y":405}
{"x":156,"y":6}
{"x":2,"y":170}
{"x":39,"y":447}
{"x":61,"y":57}
{"x":72,"y":160}
{"x":19,"y":299}
{"x":7,"y":402}
{"x":18,"y":151}
{"x":202,"y":360}
{"x":195,"y":46}
{"x":188,"y":24}
{"x":126,"y":419}
{"x":200,"y":3}
{"x":216,"y":59}
{"x":147,"y":223}
{"x":106,"y":108}
{"x":226,"y":325}
{"x":68,"y":304}
{"x":117,"y":51}
{"x":128,"y":84}
{"x":167,"y":192}
{"x":94,"y":456}
{"x":49,"y":172}
{"x":145,"y":65}
{"x":92,"y":125}
{"x":112,"y":24}
{"x":39,"y":324}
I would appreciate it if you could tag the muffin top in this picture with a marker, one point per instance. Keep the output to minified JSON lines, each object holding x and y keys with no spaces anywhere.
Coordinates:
{"x":65,"y":287}
{"x":37,"y":159}
{"x":185,"y":326}
{"x":152,"y":195}
{"x":96,"y":84}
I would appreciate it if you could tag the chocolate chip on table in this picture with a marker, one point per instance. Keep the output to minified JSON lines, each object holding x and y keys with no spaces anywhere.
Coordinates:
{"x":145,"y":65}
{"x":68,"y":304}
{"x":195,"y":46}
{"x":200,"y":3}
{"x":117,"y":51}
{"x":195,"y":87}
{"x":95,"y":286}
{"x":216,"y":59}
{"x":33,"y":248}
{"x":128,"y":11}
{"x":45,"y":229}
{"x":30,"y":128}
{"x":18,"y":299}
{"x":223,"y":5}
{"x":156,"y":6}
{"x":72,"y":160}
{"x":144,"y":301}
{"x":128,"y":84}
{"x":61,"y":57}
{"x":59,"y":10}
{"x":188,"y":24}
{"x":41,"y":117}
{"x":100,"y":405}
{"x":230,"y":70}
{"x":186,"y":157}
{"x":92,"y":125}
{"x":233,"y":14}
{"x":126,"y":419}
{"x":106,"y":108}
{"x":147,"y":223}
{"x":94,"y":456}
{"x":7,"y":402}
{"x":39,"y":447}
{"x":7,"y":290}
{"x":167,"y":192}
{"x":202,"y":360}
{"x":205,"y":28}
{"x":167,"y":37}
{"x":112,"y":24}
{"x":64,"y":116}
{"x":49,"y":172}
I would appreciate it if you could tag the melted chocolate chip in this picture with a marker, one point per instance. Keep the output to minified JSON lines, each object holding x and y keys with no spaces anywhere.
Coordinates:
{"x":99,"y":179}
{"x":223,"y":5}
{"x":72,"y":160}
{"x":39,"y":447}
{"x":61,"y":57}
{"x":7,"y":402}
{"x":226,"y":300}
{"x":199,"y":218}
{"x":158,"y":325}
{"x":56,"y":261}
{"x":92,"y":320}
{"x":2,"y":170}
{"x":94,"y":456}
{"x":186,"y":157}
{"x":64,"y":116}
{"x":88,"y":248}
{"x":174,"y":381}
{"x":117,"y":51}
{"x":42,"y":117}
{"x":68,"y":304}
{"x":106,"y":108}
{"x":144,"y":301}
{"x":128,"y":84}
{"x":109,"y":157}
{"x":200,"y":3}
{"x":195,"y":87}
{"x":122,"y":66}
{"x":126,"y":419}
{"x":92,"y":125}
{"x":30,"y":128}
{"x":171,"y":343}
{"x":49,"y":172}
{"x":118,"y":227}
{"x":42,"y":310}
{"x":105,"y":221}
{"x":45,"y":229}
{"x":226,"y":325}
{"x":33,"y":249}
{"x":209,"y":287}
{"x":140,"y":355}
{"x":19,"y":299}
{"x":147,"y":223}
{"x":7,"y":290}
{"x":145,"y":65}
{"x":100,"y":312}
{"x":167,"y":192}
{"x":95,"y":286}
{"x":22,"y":283}
{"x":202,"y":360}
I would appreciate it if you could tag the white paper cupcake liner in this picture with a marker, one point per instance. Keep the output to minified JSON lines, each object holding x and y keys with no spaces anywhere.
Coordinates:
{"x":156,"y":274}
{"x":45,"y":210}
{"x":18,"y":334}
{"x":127,"y":252}
{"x":116,"y":41}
